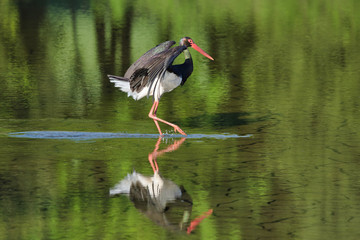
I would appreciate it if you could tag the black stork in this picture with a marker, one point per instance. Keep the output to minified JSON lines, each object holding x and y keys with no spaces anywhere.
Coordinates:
{"x":153,"y":74}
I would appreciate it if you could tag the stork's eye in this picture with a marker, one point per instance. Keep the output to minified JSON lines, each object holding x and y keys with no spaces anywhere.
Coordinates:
{"x":190,"y":41}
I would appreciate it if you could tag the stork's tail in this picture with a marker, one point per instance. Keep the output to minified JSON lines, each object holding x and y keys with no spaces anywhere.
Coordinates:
{"x":121,"y":82}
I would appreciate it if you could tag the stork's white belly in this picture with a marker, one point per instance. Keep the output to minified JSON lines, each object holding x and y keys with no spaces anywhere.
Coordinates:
{"x":158,"y":87}
{"x":167,"y":84}
{"x":170,"y":81}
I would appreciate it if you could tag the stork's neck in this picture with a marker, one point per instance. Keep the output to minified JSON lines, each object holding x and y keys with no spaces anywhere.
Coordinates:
{"x":183,"y":70}
{"x":187,"y":54}
{"x":187,"y":66}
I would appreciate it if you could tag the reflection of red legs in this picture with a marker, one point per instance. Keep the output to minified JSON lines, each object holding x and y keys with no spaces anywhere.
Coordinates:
{"x":152,"y":159}
{"x":156,"y":153}
{"x":198,"y":220}
{"x":152,"y":114}
{"x":152,"y":156}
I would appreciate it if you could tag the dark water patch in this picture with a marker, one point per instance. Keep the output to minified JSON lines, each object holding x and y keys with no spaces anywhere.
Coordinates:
{"x":224,"y":119}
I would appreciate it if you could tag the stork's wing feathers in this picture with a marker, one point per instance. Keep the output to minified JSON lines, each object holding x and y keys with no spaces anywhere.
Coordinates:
{"x":146,"y":56}
{"x":152,"y":66}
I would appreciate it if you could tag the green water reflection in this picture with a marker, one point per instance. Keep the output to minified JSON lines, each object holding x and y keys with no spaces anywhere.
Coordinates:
{"x":286,"y":72}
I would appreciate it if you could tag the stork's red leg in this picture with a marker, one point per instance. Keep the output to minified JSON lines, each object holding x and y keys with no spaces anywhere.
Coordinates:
{"x":152,"y":114}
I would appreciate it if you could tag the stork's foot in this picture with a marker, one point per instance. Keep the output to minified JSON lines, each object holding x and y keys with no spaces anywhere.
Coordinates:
{"x":177,"y":129}
{"x":152,"y":115}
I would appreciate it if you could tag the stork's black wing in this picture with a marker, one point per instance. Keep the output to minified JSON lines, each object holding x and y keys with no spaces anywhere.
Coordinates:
{"x":146,"y":56}
{"x":151,"y":67}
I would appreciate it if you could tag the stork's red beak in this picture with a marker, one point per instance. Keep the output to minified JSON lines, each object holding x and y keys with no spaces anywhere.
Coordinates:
{"x":197,"y":48}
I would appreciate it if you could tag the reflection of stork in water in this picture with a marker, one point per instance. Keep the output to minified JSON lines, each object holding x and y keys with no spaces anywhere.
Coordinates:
{"x":158,"y":198}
